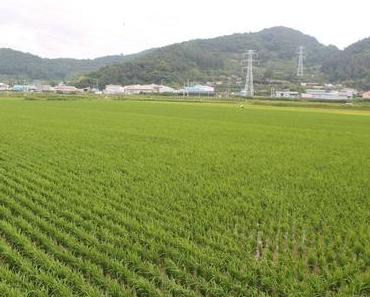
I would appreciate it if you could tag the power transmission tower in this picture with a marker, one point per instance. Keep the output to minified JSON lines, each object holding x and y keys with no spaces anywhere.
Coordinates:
{"x":249,"y":86}
{"x":273,"y":92}
{"x":300,"y":62}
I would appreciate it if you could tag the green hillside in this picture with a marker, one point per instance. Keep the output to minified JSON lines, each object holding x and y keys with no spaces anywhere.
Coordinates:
{"x":23,"y":66}
{"x":220,"y":59}
{"x":351,"y":65}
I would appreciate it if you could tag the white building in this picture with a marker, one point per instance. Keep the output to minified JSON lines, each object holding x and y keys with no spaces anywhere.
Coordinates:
{"x":198,"y":90}
{"x":324,"y":95}
{"x":63,"y":89}
{"x":350,"y":93}
{"x":286,"y":94}
{"x":4,"y":87}
{"x":166,"y":90}
{"x":44,"y":89}
{"x":114,"y":90}
{"x":366,"y":95}
{"x":24,"y":88}
{"x":141,"y":89}
{"x":137,"y":89}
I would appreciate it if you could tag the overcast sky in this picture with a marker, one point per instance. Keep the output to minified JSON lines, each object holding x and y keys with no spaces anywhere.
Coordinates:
{"x":88,"y":28}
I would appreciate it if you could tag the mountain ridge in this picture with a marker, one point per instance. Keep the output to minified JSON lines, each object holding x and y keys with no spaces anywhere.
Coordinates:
{"x":218,"y":59}
{"x":26,"y":66}
{"x":212,"y":59}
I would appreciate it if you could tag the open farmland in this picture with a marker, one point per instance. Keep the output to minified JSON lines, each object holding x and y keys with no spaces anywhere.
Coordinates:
{"x":125,"y":198}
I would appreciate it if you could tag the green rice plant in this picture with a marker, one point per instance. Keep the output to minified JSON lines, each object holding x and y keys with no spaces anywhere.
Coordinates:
{"x":146,"y":198}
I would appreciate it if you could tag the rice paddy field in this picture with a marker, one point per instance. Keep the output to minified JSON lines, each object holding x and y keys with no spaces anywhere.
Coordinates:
{"x":129,"y":198}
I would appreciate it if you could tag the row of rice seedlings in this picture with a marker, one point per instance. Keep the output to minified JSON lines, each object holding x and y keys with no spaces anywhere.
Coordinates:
{"x":121,"y":239}
{"x":142,"y":287}
{"x":19,"y":280}
{"x":181,"y":246}
{"x":92,"y":273}
{"x":8,"y":290}
{"x":174,"y":228}
{"x":81,"y":236}
{"x":172,"y":224}
{"x":151,"y":212}
{"x":59,"y":176}
{"x":48,"y":282}
{"x":289,"y":237}
{"x":26,"y":247}
{"x":300,"y":241}
{"x":218,"y":241}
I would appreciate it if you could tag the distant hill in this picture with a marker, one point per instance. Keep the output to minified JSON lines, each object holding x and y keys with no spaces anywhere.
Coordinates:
{"x":351,"y":65}
{"x":202,"y":60}
{"x":219,"y":59}
{"x":19,"y":65}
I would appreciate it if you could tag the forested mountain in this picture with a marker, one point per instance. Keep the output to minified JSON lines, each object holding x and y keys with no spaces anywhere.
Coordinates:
{"x":351,"y":65}
{"x":24,"y":66}
{"x":219,"y":59}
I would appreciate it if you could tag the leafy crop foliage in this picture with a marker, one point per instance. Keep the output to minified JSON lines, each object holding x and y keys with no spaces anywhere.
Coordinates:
{"x":122,"y":198}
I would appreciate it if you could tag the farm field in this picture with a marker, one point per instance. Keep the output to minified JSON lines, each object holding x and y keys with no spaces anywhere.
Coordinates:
{"x":128,"y":198}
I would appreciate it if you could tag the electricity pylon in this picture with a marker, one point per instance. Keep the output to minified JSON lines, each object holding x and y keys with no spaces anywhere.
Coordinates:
{"x":249,"y":86}
{"x":300,"y":62}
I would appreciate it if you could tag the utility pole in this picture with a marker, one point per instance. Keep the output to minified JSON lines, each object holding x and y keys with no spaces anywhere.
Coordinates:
{"x":300,"y":62}
{"x":249,"y":86}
